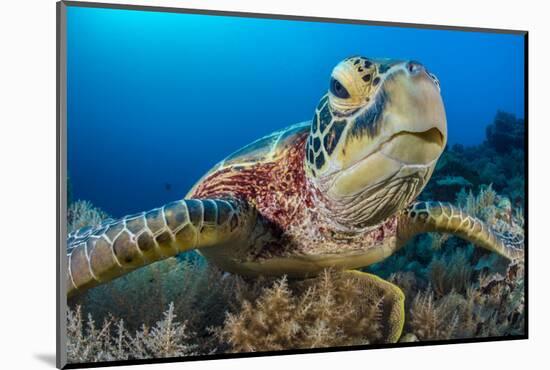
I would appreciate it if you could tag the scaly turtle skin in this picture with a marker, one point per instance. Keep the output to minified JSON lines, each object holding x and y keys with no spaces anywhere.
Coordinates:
{"x":337,"y":191}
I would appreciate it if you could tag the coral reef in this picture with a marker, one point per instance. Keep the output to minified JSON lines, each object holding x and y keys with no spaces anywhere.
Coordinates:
{"x":226,"y":313}
{"x":506,"y":132}
{"x":268,"y":314}
{"x":499,"y":161}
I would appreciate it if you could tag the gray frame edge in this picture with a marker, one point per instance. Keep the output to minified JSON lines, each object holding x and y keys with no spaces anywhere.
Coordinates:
{"x":61,"y":187}
{"x":228,"y":13}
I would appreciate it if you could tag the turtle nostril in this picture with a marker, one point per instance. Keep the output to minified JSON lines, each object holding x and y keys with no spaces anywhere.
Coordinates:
{"x":414,"y":67}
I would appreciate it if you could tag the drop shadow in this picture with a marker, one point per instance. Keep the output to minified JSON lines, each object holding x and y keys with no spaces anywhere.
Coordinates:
{"x":46,"y":358}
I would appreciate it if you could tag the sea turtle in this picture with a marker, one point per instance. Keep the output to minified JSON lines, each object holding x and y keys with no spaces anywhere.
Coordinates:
{"x":334,"y":192}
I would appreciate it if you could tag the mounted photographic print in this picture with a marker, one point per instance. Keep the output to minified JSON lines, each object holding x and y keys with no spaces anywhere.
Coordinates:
{"x":235,"y":184}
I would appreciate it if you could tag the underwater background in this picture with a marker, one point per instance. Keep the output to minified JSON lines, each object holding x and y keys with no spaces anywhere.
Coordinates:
{"x":156,"y":99}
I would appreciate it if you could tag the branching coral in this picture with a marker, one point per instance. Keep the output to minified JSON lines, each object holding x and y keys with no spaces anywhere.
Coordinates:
{"x":492,"y":306}
{"x":168,"y":338}
{"x":496,"y":304}
{"x":85,"y":342}
{"x":88,"y":343}
{"x":330,"y":310}
{"x":450,"y":275}
{"x":200,"y":294}
{"x":83,"y":213}
{"x":482,"y":205}
{"x":433,"y":320}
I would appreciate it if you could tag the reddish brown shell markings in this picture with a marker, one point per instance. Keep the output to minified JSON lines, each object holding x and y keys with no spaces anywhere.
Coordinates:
{"x":278,"y":188}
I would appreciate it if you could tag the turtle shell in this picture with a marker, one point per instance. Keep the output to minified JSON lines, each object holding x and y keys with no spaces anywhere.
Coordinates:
{"x":266,"y":149}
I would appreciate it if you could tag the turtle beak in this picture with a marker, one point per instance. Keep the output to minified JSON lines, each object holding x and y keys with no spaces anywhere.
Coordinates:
{"x":415,"y":148}
{"x":416,"y":121}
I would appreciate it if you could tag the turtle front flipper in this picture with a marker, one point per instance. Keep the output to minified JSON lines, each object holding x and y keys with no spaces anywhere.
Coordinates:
{"x":424,"y":217}
{"x":392,"y":303}
{"x":117,"y":247}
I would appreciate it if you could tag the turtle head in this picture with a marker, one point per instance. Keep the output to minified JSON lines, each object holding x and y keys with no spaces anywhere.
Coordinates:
{"x":376,"y":137}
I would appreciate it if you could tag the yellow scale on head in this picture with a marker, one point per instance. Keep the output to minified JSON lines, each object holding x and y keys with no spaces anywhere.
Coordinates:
{"x":353,"y":84}
{"x":359,"y":77}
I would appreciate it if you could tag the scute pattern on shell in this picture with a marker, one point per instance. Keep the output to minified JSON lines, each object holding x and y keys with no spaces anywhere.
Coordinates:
{"x":277,"y":188}
{"x":267,"y":148}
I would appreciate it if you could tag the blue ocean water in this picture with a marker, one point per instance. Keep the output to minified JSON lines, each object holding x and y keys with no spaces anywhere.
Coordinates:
{"x":156,"y":99}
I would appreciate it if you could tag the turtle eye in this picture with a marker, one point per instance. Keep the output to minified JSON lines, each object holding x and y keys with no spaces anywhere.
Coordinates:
{"x":337,"y":89}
